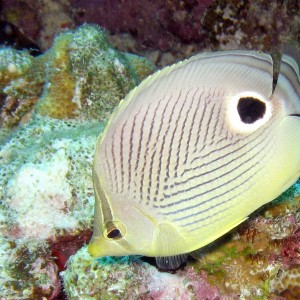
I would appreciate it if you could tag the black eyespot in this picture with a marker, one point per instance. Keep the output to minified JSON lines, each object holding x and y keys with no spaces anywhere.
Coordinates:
{"x":251,"y":109}
{"x":114,"y":234}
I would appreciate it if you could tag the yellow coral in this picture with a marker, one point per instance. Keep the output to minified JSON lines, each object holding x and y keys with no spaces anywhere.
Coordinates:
{"x":85,"y":75}
{"x":57,"y":100}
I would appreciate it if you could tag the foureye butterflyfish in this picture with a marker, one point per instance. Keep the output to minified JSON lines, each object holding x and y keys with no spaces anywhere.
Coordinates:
{"x":192,"y":151}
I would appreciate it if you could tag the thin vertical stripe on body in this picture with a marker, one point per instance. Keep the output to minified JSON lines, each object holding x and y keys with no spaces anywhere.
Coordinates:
{"x":164,"y":154}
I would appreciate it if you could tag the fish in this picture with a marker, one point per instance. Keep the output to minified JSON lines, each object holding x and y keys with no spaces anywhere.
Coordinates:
{"x":192,"y":151}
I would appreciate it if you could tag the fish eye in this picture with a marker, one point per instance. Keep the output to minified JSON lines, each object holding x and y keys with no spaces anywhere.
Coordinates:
{"x":114,"y":234}
{"x":250,"y":109}
{"x":113,"y":230}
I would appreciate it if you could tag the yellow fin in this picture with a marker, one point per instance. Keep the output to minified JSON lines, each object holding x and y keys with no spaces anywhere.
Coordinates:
{"x":201,"y":243}
{"x":169,"y":240}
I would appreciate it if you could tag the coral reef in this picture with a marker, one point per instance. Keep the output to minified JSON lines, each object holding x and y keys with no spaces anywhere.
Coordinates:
{"x":46,"y":190}
{"x":263,"y":25}
{"x":154,"y":24}
{"x":81,"y":75}
{"x":88,"y":77}
{"x":287,"y":283}
{"x":131,"y":278}
{"x":27,"y":271}
{"x":11,"y":36}
{"x":19,"y":86}
{"x":46,"y":198}
{"x":38,"y":21}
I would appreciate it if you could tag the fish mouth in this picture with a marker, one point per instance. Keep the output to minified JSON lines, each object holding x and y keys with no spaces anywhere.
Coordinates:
{"x":99,"y":247}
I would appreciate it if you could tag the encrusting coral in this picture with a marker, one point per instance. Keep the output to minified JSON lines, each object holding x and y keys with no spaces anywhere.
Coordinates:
{"x":86,"y":76}
{"x":80,"y":76}
{"x":61,"y":101}
{"x":27,"y":271}
{"x":20,"y":86}
{"x":46,"y":198}
{"x":131,"y":278}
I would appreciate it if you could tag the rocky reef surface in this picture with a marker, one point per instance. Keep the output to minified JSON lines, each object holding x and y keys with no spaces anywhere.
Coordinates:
{"x":163,"y":31}
{"x":52,"y":109}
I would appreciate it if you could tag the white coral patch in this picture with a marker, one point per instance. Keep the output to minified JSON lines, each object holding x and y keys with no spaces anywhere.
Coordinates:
{"x":39,"y":196}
